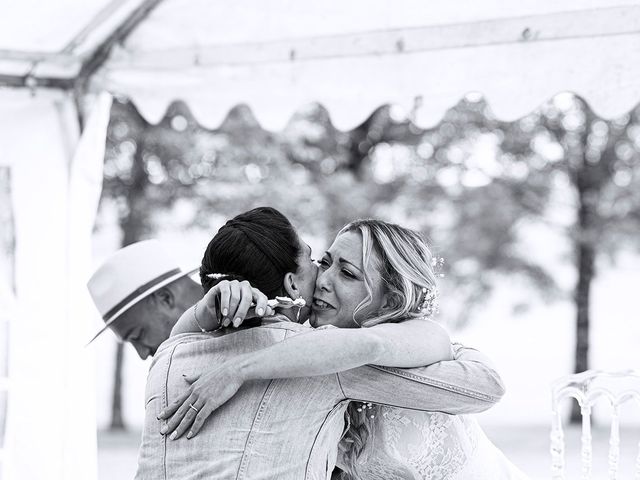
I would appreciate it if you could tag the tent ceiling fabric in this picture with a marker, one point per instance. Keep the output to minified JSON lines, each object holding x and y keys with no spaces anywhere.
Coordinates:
{"x":53,"y":38}
{"x":278,"y":56}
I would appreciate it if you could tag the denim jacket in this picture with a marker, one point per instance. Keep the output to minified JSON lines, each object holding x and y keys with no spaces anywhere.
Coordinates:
{"x":289,"y":429}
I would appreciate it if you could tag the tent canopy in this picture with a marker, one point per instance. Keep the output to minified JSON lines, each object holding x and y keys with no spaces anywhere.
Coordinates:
{"x":278,"y":55}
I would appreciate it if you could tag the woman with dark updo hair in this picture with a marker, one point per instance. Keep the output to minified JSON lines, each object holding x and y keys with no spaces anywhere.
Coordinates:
{"x":260,"y":245}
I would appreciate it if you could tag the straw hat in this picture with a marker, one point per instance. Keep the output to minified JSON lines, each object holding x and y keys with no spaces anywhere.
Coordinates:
{"x":130,"y":275}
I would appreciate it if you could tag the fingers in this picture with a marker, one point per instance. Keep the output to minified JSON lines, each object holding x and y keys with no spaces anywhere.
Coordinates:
{"x":171,"y":409}
{"x":234,"y":302}
{"x":182,"y":418}
{"x":191,"y":378}
{"x":187,"y":420}
{"x":225,"y":296}
{"x":206,"y":410}
{"x":246,"y":296}
{"x":212,"y":300}
{"x":260,"y":299}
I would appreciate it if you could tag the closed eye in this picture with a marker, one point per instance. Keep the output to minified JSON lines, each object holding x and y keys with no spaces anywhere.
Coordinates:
{"x":348,"y":273}
{"x":136,"y":337}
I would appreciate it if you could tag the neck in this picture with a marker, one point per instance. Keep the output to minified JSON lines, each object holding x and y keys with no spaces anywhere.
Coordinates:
{"x":290,"y":313}
{"x":295,"y":315}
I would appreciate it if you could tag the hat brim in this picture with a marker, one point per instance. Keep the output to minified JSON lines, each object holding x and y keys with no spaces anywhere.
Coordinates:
{"x":144,"y":294}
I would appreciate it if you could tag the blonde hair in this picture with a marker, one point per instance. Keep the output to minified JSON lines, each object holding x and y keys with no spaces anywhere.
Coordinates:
{"x":405,"y":265}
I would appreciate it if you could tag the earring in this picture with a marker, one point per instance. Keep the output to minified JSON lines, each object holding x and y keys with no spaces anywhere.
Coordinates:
{"x":299,"y":310}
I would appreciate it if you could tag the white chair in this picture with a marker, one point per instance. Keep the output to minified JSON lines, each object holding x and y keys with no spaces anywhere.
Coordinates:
{"x":587,"y":388}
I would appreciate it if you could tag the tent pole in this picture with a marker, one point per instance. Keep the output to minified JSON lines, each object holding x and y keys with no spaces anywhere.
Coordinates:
{"x":90,"y":65}
{"x":26,"y":81}
{"x":101,"y":53}
{"x":78,"y":94}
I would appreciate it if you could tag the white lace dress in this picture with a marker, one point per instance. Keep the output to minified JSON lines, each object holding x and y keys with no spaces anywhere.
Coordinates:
{"x":415,"y":445}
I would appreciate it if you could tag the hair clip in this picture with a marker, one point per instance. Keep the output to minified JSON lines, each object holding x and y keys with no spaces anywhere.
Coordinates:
{"x":216,"y":276}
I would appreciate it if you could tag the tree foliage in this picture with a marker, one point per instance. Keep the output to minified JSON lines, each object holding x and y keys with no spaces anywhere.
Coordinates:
{"x":475,"y":185}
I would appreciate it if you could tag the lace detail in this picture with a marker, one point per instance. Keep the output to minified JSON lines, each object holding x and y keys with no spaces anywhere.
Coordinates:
{"x":433,"y":444}
{"x":413,"y":445}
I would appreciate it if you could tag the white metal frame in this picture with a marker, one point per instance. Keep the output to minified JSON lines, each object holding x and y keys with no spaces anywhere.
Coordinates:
{"x":587,"y":388}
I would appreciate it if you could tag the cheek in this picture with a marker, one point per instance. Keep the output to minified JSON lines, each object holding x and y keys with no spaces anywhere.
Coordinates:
{"x":349,"y":295}
{"x":359,"y":294}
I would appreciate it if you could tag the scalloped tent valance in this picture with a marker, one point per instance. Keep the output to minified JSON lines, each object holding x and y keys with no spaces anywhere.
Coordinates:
{"x":355,"y":56}
{"x":279,"y":55}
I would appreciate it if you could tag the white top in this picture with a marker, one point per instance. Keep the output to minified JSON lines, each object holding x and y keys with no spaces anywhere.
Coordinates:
{"x":416,"y":445}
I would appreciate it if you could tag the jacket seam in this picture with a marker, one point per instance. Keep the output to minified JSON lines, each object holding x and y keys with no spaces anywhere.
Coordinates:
{"x":315,"y":439}
{"x":166,"y":404}
{"x":439,"y":384}
{"x":249,"y":441}
{"x":340,"y":385}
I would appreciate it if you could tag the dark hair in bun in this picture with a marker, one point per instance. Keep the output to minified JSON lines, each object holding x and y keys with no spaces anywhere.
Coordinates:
{"x":259,"y":246}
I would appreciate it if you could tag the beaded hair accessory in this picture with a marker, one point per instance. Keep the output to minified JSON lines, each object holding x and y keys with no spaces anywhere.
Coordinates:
{"x":365,"y":407}
{"x":429,"y":305}
{"x":217,"y":276}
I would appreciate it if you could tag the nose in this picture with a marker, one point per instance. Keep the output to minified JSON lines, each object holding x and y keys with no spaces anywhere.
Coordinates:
{"x":142,"y":350}
{"x":324,"y":280}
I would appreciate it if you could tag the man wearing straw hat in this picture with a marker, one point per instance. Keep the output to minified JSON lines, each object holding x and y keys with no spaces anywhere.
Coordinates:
{"x":140,"y":292}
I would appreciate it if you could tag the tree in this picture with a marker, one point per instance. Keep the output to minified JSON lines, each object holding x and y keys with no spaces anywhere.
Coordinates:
{"x":474,"y":203}
{"x":471,"y":184}
{"x":563,"y":146}
{"x":601,"y":165}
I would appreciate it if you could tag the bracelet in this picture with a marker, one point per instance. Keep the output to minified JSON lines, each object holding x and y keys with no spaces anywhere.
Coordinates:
{"x":195,"y":317}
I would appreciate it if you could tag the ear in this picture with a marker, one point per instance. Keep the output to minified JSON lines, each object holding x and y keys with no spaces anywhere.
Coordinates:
{"x":290,"y":286}
{"x":165,"y":297}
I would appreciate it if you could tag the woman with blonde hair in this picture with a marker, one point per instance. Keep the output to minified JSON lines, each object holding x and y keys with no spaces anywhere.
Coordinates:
{"x":375,"y":274}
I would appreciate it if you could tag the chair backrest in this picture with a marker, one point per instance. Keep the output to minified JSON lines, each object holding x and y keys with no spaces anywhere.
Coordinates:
{"x":587,"y":388}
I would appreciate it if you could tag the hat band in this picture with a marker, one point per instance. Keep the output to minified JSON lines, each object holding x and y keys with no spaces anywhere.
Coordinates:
{"x":139,"y":291}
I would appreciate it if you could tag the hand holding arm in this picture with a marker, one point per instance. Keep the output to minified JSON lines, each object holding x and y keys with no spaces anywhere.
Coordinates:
{"x":225,"y":302}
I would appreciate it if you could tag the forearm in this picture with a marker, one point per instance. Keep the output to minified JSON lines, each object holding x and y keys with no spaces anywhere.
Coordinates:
{"x":411,"y":343}
{"x":468,"y":384}
{"x":321,"y":352}
{"x":187,"y":323}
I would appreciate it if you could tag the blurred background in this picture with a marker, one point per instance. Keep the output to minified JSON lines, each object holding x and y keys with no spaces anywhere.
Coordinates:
{"x":508,"y":133}
{"x":537,"y":219}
